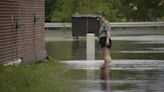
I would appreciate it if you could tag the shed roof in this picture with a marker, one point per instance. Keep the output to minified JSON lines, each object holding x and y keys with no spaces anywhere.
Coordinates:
{"x":87,"y":15}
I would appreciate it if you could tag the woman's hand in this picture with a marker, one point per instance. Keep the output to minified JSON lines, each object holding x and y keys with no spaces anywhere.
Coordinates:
{"x":107,"y":43}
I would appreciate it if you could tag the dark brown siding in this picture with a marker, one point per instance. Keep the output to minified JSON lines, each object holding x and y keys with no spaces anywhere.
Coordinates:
{"x":83,"y":24}
{"x":22,"y":30}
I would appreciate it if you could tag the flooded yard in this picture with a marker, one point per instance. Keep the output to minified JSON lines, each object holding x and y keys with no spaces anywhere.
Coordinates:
{"x":137,"y":65}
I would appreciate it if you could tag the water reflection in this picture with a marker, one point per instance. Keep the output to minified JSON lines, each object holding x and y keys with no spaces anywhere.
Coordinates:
{"x":78,"y":50}
{"x":105,"y":77}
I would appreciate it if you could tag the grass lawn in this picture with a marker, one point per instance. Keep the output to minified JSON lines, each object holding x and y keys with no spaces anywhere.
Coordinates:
{"x":41,"y":77}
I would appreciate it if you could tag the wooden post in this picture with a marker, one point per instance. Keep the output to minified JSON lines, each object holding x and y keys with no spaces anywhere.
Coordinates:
{"x":90,"y":48}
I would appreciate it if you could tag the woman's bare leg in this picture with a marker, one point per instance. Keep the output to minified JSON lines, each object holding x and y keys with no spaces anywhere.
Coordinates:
{"x":106,"y":55}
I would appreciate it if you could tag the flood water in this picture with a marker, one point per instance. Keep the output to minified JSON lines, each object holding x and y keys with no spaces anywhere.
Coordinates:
{"x":137,"y":65}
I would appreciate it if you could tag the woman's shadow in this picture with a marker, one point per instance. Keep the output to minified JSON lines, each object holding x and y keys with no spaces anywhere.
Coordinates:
{"x":105,"y":78}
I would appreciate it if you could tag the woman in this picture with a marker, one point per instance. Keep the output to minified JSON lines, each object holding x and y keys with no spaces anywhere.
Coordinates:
{"x":105,"y":39}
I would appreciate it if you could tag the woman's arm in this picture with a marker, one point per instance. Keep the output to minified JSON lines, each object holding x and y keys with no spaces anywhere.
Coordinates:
{"x":108,"y":34}
{"x":107,"y":37}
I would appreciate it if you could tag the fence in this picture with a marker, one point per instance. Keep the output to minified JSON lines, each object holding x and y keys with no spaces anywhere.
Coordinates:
{"x":113,"y":24}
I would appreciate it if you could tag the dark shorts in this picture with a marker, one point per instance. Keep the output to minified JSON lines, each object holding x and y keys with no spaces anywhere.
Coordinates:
{"x":103,"y":42}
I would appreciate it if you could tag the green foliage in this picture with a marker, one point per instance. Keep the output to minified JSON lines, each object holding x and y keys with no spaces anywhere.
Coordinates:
{"x":142,"y":10}
{"x":117,"y":10}
{"x":50,"y":7}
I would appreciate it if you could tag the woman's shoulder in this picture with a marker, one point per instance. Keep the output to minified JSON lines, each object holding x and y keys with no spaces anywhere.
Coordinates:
{"x":106,"y":21}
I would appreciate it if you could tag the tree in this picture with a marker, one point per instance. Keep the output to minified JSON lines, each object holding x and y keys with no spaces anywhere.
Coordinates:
{"x":142,"y":10}
{"x":50,"y":7}
{"x":70,"y":7}
{"x":116,"y":10}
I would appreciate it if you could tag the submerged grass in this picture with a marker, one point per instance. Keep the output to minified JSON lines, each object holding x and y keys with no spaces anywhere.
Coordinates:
{"x":41,"y":77}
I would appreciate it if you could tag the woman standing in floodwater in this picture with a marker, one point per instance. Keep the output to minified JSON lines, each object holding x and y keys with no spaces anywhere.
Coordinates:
{"x":105,"y":39}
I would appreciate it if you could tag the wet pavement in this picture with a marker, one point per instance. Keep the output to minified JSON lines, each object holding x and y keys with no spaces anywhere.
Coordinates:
{"x":137,"y":65}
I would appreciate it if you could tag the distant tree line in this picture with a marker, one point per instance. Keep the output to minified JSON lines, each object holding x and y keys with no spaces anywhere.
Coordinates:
{"x":116,"y":10}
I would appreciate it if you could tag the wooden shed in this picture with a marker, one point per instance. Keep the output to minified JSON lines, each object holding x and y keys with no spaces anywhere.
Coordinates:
{"x":22,"y":31}
{"x":83,"y":24}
